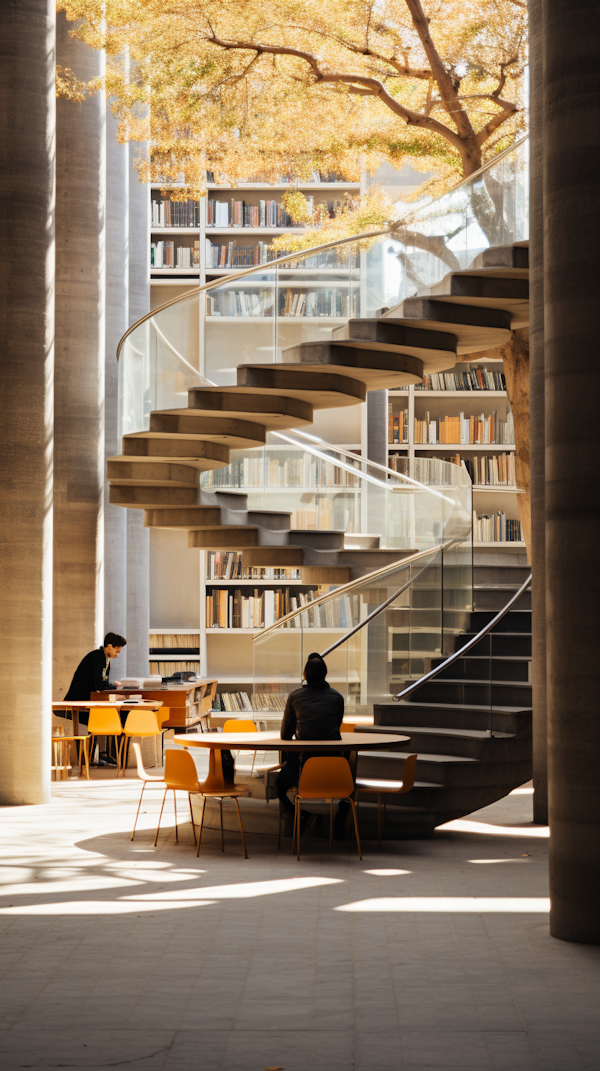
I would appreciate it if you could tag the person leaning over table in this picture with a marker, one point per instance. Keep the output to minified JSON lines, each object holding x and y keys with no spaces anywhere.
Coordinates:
{"x":312,"y":712}
{"x":93,"y":672}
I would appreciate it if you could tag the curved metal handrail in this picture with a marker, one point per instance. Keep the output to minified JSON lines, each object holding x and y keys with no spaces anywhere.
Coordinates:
{"x":351,"y":585}
{"x":378,"y":609}
{"x":372,"y":464}
{"x":251,"y":271}
{"x":467,"y":647}
{"x":464,"y":182}
{"x":392,"y":229}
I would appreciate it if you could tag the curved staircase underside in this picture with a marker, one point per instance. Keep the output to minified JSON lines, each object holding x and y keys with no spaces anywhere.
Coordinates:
{"x":159,"y":469}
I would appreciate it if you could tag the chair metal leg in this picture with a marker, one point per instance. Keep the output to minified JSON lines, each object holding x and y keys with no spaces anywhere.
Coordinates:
{"x":192,"y":816}
{"x":356,"y":829}
{"x":330,"y":822}
{"x":138,"y":810}
{"x":241,"y":826}
{"x":222,"y":834}
{"x":160,"y":816}
{"x":201,"y":826}
{"x":378,"y":821}
{"x":175,"y":809}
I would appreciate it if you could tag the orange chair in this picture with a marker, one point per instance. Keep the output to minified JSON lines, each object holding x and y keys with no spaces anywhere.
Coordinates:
{"x":233,"y":792}
{"x":180,"y":776}
{"x":106,"y":721}
{"x":392,"y":788}
{"x":139,"y":723}
{"x":144,"y":776}
{"x":325,"y":778}
{"x":241,"y":725}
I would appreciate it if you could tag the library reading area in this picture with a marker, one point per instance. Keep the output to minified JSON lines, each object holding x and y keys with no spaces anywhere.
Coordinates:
{"x":300,"y":519}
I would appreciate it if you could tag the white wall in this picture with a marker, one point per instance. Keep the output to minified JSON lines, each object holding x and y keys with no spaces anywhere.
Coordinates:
{"x":174,"y":581}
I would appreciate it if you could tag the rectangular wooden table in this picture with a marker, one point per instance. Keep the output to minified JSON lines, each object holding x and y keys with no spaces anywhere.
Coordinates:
{"x":270,"y":741}
{"x":189,"y":703}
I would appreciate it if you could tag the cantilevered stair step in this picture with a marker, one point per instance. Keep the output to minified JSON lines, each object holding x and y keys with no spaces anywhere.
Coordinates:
{"x":271,"y":410}
{"x":435,"y":349}
{"x":125,"y":471}
{"x":198,"y":516}
{"x":489,"y":291}
{"x":511,"y":259}
{"x":474,"y":327}
{"x":207,"y":455}
{"x":322,"y":390}
{"x":378,"y":369}
{"x":233,"y":431}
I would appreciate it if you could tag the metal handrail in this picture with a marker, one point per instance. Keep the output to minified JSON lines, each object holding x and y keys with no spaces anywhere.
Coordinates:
{"x":378,"y":609}
{"x":463,"y":182}
{"x":350,"y":586}
{"x":392,"y":229}
{"x":352,"y":456}
{"x":467,"y":647}
{"x":251,"y":271}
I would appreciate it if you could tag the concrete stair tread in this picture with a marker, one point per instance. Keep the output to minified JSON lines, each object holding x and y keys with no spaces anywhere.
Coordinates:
{"x":472,"y":708}
{"x":476,"y":680}
{"x":422,"y":757}
{"x":474,"y":327}
{"x":467,"y":734}
{"x":270,"y":410}
{"x":322,"y":390}
{"x":374,"y":367}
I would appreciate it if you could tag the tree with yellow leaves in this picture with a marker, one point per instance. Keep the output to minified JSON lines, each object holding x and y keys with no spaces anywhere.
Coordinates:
{"x":242,"y":87}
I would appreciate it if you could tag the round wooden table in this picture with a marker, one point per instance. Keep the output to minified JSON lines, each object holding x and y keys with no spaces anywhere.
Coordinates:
{"x":271,"y":741}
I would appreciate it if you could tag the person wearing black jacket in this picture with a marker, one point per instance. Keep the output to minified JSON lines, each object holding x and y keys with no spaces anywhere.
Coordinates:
{"x":312,"y":712}
{"x":93,"y":672}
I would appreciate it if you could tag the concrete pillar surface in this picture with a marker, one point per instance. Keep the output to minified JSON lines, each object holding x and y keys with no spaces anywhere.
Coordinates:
{"x":117,"y":322}
{"x":27,"y":173}
{"x":537,"y":416}
{"x":138,"y":541}
{"x":571,"y":118}
{"x":80,"y":356}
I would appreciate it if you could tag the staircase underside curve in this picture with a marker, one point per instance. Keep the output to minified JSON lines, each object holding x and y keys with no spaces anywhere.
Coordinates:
{"x":159,"y":469}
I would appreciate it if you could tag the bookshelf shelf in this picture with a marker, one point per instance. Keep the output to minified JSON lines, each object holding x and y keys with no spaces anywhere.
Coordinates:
{"x":490,"y":489}
{"x":507,"y":543}
{"x":463,"y":447}
{"x":280,"y":319}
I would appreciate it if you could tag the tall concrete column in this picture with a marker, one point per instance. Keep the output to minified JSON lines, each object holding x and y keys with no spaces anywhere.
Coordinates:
{"x":79,"y":388}
{"x":571,"y":119}
{"x":138,"y":542}
{"x":27,"y":173}
{"x":537,"y":415}
{"x":117,"y":322}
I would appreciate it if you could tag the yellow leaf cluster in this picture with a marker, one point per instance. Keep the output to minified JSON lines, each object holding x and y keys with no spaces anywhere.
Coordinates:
{"x":245,"y":88}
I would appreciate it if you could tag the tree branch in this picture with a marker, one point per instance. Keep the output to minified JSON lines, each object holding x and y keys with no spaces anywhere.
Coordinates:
{"x":373,"y":86}
{"x":496,"y":121}
{"x":441,"y":75}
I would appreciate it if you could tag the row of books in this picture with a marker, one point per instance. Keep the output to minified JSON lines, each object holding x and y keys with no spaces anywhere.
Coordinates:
{"x":227,"y":608}
{"x":229,"y":255}
{"x":497,"y":528}
{"x":240,"y":702}
{"x":313,"y":518}
{"x":167,"y":213}
{"x":167,"y":668}
{"x":466,"y":430}
{"x":397,"y":425}
{"x":166,"y":640}
{"x":227,"y":565}
{"x":168,"y":255}
{"x":495,"y":471}
{"x":235,"y":213}
{"x":332,"y":303}
{"x":473,"y":379}
{"x":305,"y":472}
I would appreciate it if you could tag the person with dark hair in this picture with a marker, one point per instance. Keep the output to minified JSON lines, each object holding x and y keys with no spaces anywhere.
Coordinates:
{"x":93,"y":672}
{"x":312,"y":712}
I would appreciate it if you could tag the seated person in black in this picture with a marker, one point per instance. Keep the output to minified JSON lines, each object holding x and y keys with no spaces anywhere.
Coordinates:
{"x":93,"y":672}
{"x":312,"y":712}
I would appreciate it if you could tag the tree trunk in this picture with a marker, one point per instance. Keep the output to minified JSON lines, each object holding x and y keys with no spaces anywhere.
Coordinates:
{"x":515,"y":358}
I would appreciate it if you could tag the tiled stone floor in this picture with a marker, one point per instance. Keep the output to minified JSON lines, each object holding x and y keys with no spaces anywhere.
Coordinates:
{"x":426,"y":955}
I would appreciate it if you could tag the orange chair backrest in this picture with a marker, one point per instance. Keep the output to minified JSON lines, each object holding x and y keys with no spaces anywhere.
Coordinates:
{"x":141,"y":723}
{"x":162,"y":715}
{"x":104,"y":721}
{"x":238,"y":725}
{"x":326,"y":777}
{"x":408,"y":773}
{"x":180,"y":771}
